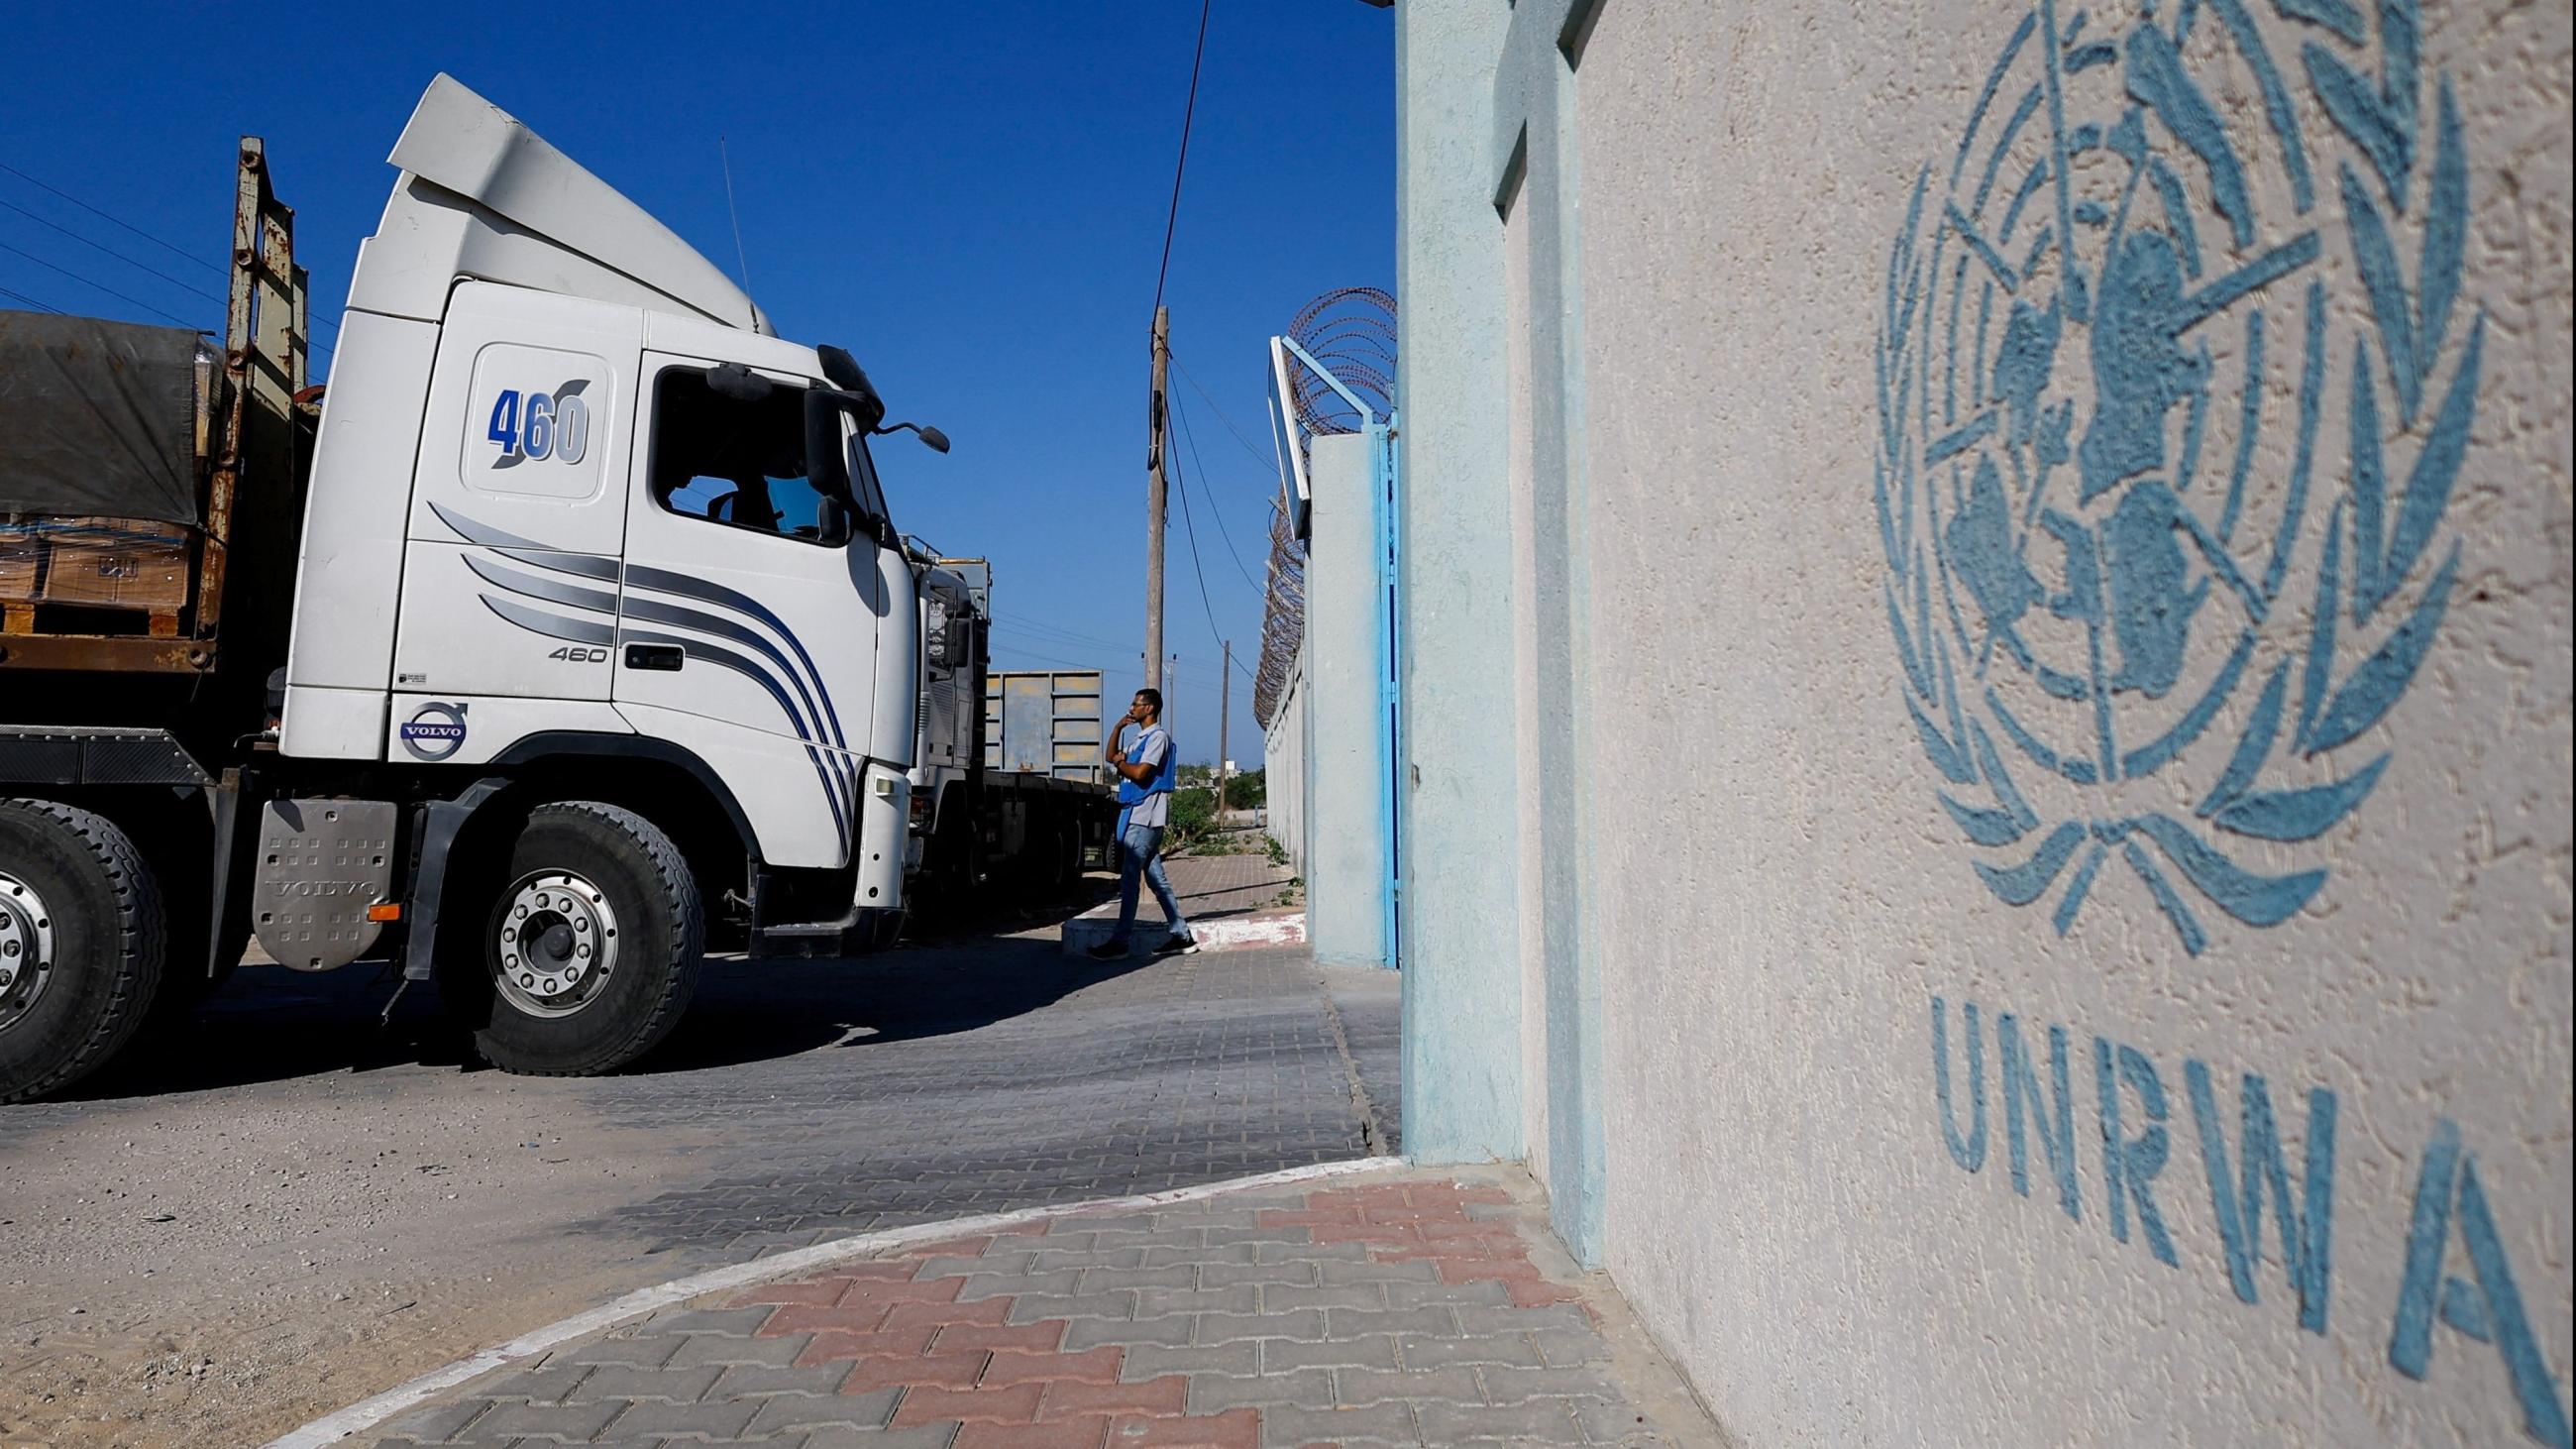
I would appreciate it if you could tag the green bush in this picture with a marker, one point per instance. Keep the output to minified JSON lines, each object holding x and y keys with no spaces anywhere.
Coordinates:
{"x":1192,"y":816}
{"x":1247,"y":791}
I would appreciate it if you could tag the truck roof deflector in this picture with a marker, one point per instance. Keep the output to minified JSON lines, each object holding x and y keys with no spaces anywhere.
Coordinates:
{"x":463,"y":143}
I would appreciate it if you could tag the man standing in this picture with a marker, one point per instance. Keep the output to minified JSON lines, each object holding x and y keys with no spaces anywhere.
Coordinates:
{"x":1144,"y":798}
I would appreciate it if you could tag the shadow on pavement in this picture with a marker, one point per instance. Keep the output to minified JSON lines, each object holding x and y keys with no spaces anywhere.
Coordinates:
{"x":269,"y":1024}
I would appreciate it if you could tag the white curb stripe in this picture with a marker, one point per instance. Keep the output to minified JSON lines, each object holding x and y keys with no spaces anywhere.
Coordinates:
{"x":365,"y":1415}
{"x":1243,"y":933}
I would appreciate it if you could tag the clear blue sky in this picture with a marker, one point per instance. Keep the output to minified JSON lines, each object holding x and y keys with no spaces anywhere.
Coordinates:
{"x":968,"y":196}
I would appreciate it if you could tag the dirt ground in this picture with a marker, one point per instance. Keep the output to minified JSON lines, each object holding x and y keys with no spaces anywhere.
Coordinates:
{"x":292,"y":1206}
{"x":212,"y":1268}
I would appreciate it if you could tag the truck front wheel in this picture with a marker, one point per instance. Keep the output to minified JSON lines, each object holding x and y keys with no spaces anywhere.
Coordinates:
{"x":584,"y":957}
{"x":80,"y":945}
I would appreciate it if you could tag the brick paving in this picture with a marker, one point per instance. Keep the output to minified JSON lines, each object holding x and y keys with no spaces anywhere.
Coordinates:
{"x":1406,"y":1307}
{"x":1022,"y":1081}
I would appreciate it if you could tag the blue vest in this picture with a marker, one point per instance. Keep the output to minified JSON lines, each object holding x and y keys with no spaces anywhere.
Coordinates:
{"x":1158,"y":783}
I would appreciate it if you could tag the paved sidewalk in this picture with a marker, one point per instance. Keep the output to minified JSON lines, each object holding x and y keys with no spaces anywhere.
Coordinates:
{"x":1401,"y":1307}
{"x":1233,"y":903}
{"x":1215,"y":886}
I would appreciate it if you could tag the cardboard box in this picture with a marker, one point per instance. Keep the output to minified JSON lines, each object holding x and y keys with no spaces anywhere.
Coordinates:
{"x":22,"y":564}
{"x":117,"y":563}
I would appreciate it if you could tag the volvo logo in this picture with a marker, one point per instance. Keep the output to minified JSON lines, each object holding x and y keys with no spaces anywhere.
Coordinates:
{"x":436,"y":732}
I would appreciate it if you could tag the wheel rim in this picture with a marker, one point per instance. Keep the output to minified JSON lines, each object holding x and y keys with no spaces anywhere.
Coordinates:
{"x":553,"y":944}
{"x":26,"y":948}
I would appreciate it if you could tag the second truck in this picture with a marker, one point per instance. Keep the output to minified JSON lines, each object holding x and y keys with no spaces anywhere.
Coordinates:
{"x":1007,"y":781}
{"x":570,"y":638}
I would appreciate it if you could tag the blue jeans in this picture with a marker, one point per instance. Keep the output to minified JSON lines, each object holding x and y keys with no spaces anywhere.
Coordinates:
{"x":1140,"y":853}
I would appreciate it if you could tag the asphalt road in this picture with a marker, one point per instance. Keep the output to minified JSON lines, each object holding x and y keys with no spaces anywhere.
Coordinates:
{"x":292,"y":1207}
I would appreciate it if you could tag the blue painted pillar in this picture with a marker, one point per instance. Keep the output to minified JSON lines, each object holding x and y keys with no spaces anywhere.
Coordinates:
{"x":1459,"y":781}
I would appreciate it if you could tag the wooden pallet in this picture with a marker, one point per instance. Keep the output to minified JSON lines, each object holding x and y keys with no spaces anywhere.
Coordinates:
{"x":103,"y":620}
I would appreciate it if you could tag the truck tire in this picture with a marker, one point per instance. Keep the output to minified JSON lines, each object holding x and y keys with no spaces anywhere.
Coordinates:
{"x":584,"y":956}
{"x":81,"y":941}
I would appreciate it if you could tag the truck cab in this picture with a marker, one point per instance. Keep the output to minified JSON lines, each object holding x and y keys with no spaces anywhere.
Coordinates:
{"x":603,"y":645}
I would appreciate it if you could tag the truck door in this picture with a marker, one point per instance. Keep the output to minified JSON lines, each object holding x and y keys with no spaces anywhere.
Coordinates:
{"x":746,"y":634}
{"x":518,"y":516}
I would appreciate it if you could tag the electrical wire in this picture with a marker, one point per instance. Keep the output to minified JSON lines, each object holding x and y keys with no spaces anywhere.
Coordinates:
{"x":1016,"y":652}
{"x":327,"y":322}
{"x":101,"y":286}
{"x":1191,"y":526}
{"x":23,"y":298}
{"x":104,"y":216}
{"x":1268,"y":461}
{"x":113,"y":252}
{"x":1189,"y":111}
{"x":1219,"y":513}
{"x":1063,"y":635}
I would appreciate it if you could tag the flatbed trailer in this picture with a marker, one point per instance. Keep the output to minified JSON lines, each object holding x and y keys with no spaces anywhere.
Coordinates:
{"x":1008,"y":788}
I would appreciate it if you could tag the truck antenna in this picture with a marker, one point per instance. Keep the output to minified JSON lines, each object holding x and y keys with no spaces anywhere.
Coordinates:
{"x":742,"y":261}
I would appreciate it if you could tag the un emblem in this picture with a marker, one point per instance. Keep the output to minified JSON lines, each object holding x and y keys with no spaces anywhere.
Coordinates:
{"x":2175,"y":383}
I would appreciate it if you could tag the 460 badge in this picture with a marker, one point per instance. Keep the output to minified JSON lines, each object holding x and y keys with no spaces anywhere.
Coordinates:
{"x":534,"y":426}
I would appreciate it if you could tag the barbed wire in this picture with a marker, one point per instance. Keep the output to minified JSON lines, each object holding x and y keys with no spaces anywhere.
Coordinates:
{"x":1352,"y":332}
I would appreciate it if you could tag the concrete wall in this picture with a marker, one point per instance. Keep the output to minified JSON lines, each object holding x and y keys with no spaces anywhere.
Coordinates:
{"x":1284,"y":746}
{"x":2052,"y":762}
{"x":1346,"y":869}
{"x":1461,"y":945}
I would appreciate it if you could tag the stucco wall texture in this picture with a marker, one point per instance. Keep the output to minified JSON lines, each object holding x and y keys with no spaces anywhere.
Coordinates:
{"x":1784,"y":906}
{"x":1346,"y":867}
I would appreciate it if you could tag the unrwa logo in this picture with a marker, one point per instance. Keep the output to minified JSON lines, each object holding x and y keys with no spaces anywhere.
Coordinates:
{"x":435,"y":732}
{"x":2147,"y":596}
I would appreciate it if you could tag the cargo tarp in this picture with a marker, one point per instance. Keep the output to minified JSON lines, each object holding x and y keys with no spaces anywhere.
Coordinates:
{"x":97,"y":418}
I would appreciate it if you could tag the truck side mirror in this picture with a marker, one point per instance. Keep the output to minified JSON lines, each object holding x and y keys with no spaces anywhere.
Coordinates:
{"x":831,"y":521}
{"x":827,"y":459}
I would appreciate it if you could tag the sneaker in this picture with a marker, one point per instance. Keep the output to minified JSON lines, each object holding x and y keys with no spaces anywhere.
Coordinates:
{"x":1178,"y":944}
{"x":1108,"y":951}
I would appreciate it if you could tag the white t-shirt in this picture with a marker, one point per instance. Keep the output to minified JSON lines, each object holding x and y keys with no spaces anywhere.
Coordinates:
{"x":1151,"y":747}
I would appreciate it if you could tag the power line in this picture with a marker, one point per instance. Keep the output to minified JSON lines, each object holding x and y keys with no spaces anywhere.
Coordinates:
{"x":1057,"y":632}
{"x":30,"y":301}
{"x":1268,"y":461}
{"x":1172,"y":218}
{"x":101,"y":286}
{"x":1222,"y":531}
{"x":1062,"y":663}
{"x":328,"y":322}
{"x":1191,"y":525}
{"x":111,"y":251}
{"x":94,"y":211}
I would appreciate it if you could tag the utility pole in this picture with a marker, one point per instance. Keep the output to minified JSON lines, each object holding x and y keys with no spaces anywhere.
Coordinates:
{"x":1224,"y":710}
{"x":1154,"y":503}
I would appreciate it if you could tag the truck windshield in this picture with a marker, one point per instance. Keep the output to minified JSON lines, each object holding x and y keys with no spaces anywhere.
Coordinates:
{"x":733,"y":461}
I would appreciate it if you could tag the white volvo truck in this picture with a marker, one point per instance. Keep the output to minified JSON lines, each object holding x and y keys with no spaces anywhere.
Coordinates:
{"x":603,"y":648}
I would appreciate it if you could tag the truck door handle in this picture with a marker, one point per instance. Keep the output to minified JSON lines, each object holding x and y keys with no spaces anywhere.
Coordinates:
{"x":665,"y":657}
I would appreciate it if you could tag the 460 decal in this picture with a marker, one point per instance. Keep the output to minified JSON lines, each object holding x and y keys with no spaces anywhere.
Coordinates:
{"x":532,"y":427}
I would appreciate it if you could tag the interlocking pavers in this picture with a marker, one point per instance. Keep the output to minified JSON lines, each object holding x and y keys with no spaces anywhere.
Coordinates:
{"x":891,"y":1351}
{"x":569,"y":1423}
{"x":680,"y":1386}
{"x":1302,"y":1388}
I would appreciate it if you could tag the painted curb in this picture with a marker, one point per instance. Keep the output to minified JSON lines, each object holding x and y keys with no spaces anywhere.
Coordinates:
{"x":370,"y":1413}
{"x":1084,"y":932}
